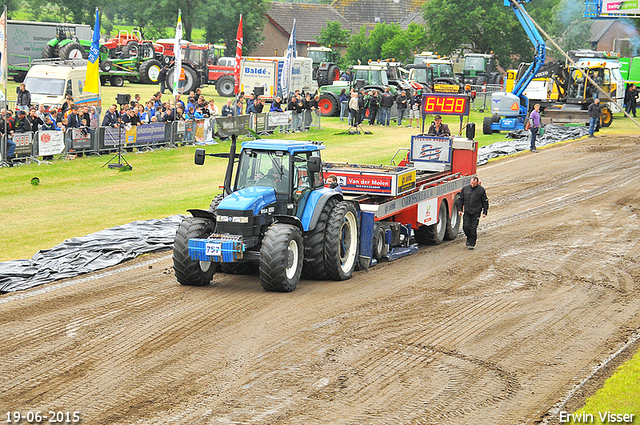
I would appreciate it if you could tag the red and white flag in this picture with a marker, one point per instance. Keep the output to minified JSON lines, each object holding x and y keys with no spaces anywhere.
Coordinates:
{"x":236,"y":72}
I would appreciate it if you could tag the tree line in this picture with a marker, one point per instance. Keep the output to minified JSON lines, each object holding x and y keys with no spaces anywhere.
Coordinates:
{"x":481,"y":26}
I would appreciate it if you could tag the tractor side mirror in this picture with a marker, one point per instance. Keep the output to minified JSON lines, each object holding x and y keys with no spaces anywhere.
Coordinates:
{"x":199,"y":159}
{"x":314,"y":164}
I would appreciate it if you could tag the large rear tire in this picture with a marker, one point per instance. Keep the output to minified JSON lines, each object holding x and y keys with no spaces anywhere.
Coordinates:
{"x":73,"y":50}
{"x":327,"y":77}
{"x":281,"y":258}
{"x":341,"y":241}
{"x":314,"y":246}
{"x":190,"y":82}
{"x":226,"y":86}
{"x":130,"y":49}
{"x":48,"y":52}
{"x":192,"y":272}
{"x":434,"y":234}
{"x":328,"y":105}
{"x":150,"y":71}
{"x":453,"y":224}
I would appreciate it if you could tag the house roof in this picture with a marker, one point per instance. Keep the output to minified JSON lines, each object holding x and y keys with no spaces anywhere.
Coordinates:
{"x":599,"y":28}
{"x":360,"y":12}
{"x":310,"y":19}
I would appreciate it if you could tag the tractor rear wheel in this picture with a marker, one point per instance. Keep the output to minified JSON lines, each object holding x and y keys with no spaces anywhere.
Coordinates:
{"x":341,"y":241}
{"x":130,"y":49}
{"x":226,"y":86}
{"x":314,"y":246}
{"x":106,"y":65}
{"x":192,"y":272}
{"x":150,"y":71}
{"x":73,"y":50}
{"x":190,"y":82}
{"x":327,"y":77}
{"x":328,"y":105}
{"x":434,"y":234}
{"x":281,"y":258}
{"x":48,"y":52}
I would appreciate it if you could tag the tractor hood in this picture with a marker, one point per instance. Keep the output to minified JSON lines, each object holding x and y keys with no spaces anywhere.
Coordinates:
{"x":250,"y":198}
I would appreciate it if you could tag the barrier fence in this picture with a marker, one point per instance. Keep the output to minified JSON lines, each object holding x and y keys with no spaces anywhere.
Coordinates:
{"x":46,"y":143}
{"x":482,"y":101}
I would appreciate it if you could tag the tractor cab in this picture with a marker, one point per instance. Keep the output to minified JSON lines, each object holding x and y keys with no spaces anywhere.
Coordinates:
{"x":292,"y":170}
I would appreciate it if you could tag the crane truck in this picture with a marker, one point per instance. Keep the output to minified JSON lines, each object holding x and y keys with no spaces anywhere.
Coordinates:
{"x":509,"y":110}
{"x":279,"y":218}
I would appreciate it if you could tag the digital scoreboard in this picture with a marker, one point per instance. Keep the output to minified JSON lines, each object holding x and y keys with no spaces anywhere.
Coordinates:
{"x":445,"y":104}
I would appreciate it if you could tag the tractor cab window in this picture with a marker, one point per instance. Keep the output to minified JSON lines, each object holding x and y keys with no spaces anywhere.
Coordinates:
{"x":318,"y":56}
{"x":444,"y":70}
{"x":264,"y":168}
{"x":196,"y":56}
{"x":472,"y":63}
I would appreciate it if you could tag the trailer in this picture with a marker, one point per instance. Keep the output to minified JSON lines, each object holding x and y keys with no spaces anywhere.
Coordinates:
{"x":280,"y":218}
{"x":263,"y":76}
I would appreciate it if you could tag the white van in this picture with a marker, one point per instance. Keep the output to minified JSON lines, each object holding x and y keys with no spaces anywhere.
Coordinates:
{"x":50,"y":84}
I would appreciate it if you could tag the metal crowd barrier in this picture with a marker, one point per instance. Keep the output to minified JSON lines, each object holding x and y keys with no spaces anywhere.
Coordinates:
{"x":102,"y":140}
{"x":482,"y":101}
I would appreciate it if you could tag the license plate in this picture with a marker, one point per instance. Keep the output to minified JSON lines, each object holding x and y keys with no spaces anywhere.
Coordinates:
{"x":214,"y":249}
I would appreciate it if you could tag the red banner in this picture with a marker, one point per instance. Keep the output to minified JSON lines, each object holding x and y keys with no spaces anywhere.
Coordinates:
{"x":236,"y":73}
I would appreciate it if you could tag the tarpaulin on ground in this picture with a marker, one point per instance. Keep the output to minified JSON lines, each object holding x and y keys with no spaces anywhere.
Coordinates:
{"x":89,"y":253}
{"x":520,"y":140}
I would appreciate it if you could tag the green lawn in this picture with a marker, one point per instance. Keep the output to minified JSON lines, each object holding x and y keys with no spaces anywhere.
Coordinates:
{"x":619,"y":395}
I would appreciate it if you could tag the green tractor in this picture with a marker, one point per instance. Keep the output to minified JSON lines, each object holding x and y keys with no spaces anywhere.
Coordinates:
{"x":142,"y":68}
{"x":325,"y":67}
{"x":66,"y":45}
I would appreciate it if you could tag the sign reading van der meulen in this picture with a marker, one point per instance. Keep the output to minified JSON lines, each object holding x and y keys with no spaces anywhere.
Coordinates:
{"x":382,"y":180}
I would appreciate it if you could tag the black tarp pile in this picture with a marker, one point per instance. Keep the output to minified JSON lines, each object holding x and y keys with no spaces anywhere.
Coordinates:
{"x":553,"y":133}
{"x":89,"y":253}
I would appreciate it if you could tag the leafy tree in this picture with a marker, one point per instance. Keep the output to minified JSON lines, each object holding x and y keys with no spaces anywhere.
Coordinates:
{"x":358,"y":49}
{"x":482,"y":26}
{"x":333,"y":35}
{"x":221,"y":23}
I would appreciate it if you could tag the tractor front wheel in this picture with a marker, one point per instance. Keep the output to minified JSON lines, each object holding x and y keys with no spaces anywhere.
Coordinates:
{"x":281,"y":258}
{"x":192,"y":272}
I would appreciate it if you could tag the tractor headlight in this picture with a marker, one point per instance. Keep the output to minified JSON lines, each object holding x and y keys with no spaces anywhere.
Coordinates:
{"x":240,"y":219}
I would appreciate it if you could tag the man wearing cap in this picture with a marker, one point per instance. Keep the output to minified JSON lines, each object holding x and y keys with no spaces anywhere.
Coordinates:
{"x":72,"y":119}
{"x":22,"y":124}
{"x":438,"y":128}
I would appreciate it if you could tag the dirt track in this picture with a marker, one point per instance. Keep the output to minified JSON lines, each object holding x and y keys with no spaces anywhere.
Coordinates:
{"x":498,"y":335}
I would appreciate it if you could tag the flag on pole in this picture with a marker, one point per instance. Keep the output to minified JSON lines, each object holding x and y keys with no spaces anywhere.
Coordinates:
{"x":177,"y":69}
{"x":236,"y":72}
{"x":92,"y":81}
{"x":288,"y":62}
{"x":4,"y":66}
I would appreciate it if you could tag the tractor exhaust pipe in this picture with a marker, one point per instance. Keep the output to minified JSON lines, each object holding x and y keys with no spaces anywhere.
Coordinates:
{"x":229,"y":173}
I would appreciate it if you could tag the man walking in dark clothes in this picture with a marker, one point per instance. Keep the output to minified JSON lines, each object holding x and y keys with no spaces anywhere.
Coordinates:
{"x":473,"y":202}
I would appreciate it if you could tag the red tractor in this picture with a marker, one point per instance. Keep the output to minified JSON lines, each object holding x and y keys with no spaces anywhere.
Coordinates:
{"x":201,"y":65}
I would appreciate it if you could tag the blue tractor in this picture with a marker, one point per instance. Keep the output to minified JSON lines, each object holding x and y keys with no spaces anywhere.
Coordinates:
{"x":277,"y":217}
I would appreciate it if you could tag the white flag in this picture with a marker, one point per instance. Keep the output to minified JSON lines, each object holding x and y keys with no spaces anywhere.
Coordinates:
{"x":288,"y":62}
{"x":177,"y":69}
{"x":4,"y":67}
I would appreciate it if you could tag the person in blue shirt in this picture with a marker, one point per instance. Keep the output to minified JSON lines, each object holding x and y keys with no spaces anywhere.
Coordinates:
{"x":49,"y":124}
{"x":276,"y":105}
